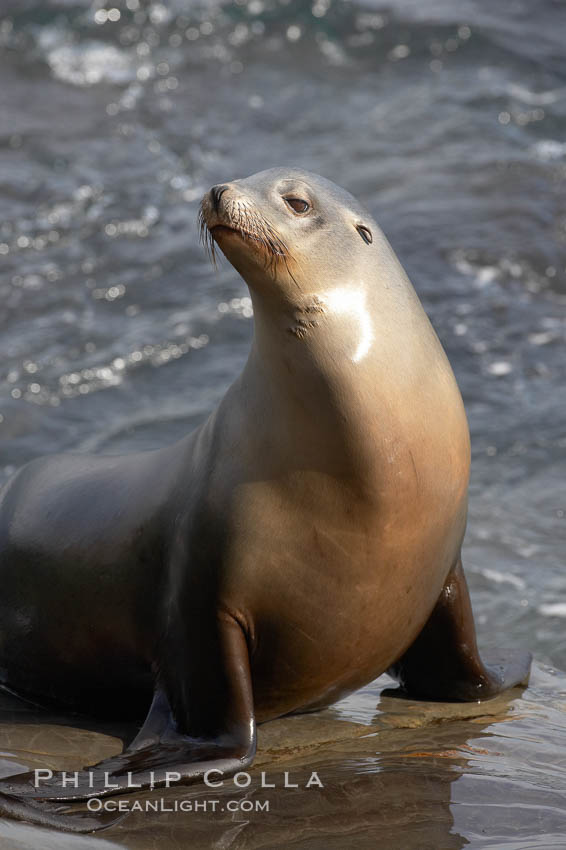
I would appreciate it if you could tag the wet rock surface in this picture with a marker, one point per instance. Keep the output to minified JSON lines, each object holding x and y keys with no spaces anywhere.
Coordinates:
{"x":395,"y":773}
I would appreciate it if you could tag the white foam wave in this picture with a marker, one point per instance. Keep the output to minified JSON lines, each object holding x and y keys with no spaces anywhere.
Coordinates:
{"x":548,"y":149}
{"x":554,"y":609}
{"x":87,"y":63}
{"x":504,"y":578}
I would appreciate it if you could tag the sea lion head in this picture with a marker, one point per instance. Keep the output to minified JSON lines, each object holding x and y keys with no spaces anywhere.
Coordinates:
{"x":288,"y":231}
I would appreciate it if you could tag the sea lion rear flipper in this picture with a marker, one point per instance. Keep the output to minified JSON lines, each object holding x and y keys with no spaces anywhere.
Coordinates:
{"x":205,"y":724}
{"x":444,"y":663}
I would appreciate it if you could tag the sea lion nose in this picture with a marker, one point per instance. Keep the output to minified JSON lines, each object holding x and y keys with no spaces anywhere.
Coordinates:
{"x":216,"y":193}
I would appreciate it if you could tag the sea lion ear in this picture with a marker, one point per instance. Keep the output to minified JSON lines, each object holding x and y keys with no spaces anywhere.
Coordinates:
{"x":365,"y":233}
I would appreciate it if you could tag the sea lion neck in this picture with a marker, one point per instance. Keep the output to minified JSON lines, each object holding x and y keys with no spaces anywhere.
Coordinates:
{"x":327,"y":368}
{"x":338,"y":328}
{"x":322,"y":358}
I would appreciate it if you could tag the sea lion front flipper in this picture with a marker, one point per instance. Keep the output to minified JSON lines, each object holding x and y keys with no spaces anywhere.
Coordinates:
{"x":444,"y":663}
{"x":206,"y":723}
{"x":45,"y":813}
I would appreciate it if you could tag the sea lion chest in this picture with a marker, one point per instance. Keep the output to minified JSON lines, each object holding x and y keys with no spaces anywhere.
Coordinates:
{"x":334,"y":583}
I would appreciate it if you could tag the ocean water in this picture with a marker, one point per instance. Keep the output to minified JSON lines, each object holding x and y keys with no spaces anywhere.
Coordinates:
{"x":447,"y":119}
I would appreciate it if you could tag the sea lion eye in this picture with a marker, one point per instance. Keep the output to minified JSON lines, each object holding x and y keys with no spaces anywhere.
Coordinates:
{"x":365,"y":233}
{"x":298,"y":204}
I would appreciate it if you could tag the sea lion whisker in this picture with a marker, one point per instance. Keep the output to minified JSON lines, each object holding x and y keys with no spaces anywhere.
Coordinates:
{"x":250,"y":225}
{"x":291,"y":275}
{"x":206,"y":238}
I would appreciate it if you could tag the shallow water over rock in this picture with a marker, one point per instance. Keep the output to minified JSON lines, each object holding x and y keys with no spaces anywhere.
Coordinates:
{"x":396,"y":773}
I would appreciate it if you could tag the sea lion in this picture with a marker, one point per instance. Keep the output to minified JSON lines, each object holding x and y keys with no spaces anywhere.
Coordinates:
{"x":305,"y":539}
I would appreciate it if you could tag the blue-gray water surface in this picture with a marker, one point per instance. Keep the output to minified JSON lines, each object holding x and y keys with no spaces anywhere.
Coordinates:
{"x":447,"y":120}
